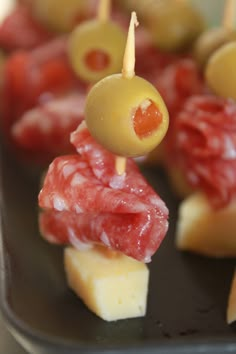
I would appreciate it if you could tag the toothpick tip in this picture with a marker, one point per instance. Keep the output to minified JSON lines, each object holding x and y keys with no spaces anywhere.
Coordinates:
{"x":134,"y":18}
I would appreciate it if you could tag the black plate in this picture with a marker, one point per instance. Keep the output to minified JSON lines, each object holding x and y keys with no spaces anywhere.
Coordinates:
{"x":186,"y":303}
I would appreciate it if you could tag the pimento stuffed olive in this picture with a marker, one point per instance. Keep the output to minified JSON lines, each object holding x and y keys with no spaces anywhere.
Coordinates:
{"x":96,"y":49}
{"x":127,"y":116}
{"x":221,"y":71}
{"x":209,"y":41}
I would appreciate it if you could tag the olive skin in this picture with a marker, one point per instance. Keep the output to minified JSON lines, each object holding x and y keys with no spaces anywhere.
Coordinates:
{"x":209,"y":41}
{"x":220,"y":71}
{"x":109,"y":112}
{"x":174,"y":25}
{"x":105,"y":36}
{"x":59,"y":15}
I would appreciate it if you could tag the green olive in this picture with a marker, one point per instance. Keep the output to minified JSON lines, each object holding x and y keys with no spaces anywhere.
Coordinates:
{"x":111,"y":111}
{"x":174,"y":25}
{"x":209,"y":41}
{"x":95,"y":42}
{"x":59,"y":15}
{"x":139,"y":6}
{"x":221,"y":71}
{"x":142,"y":8}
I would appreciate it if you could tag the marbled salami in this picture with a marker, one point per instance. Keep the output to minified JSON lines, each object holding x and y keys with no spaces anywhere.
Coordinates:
{"x":86,"y":202}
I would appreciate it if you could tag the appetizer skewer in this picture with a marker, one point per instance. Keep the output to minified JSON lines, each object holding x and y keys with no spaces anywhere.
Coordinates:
{"x":86,"y":202}
{"x":209,"y":165}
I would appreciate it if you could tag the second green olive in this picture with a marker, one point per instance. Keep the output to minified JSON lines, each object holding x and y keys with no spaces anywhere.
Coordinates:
{"x":209,"y":41}
{"x":106,"y":37}
{"x":221,"y":71}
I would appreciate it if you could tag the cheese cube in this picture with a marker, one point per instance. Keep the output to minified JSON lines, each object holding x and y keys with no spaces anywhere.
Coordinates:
{"x":231,"y":308}
{"x":112,"y":287}
{"x":204,"y":230}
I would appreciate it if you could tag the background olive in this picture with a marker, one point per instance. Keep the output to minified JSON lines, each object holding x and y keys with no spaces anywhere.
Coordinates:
{"x":141,"y":7}
{"x":174,"y":25}
{"x":96,"y":49}
{"x":59,"y":15}
{"x":127,"y":116}
{"x":209,"y":41}
{"x":221,"y":71}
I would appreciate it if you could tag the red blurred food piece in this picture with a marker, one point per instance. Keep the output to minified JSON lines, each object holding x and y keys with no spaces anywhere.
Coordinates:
{"x":205,"y":146}
{"x":30,"y":77}
{"x":176,"y":84}
{"x":87,"y":202}
{"x":150,"y":61}
{"x":179,"y":81}
{"x":44,"y":132}
{"x":20,"y":30}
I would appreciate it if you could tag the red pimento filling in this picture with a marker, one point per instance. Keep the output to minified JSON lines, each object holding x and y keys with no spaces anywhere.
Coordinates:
{"x":97,"y":60}
{"x":205,"y":147}
{"x":147,"y":119}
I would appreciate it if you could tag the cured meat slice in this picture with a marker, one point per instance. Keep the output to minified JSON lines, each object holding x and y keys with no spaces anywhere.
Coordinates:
{"x":29,"y":77}
{"x":20,"y":30}
{"x":86,"y":202}
{"x":179,"y":81}
{"x":205,"y":146}
{"x":176,"y":84}
{"x":44,"y":132}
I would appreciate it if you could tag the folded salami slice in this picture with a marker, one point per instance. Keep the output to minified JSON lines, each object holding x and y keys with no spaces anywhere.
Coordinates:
{"x":205,"y":146}
{"x":86,"y":202}
{"x":44,"y":132}
{"x":176,"y":84}
{"x":20,"y":30}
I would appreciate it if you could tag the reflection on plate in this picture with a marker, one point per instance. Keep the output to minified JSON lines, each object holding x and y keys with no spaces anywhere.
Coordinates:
{"x":187,"y":296}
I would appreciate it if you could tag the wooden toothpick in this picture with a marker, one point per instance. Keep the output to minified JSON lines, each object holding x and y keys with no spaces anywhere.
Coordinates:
{"x":229,"y":13}
{"x":120,"y":165}
{"x":104,"y":10}
{"x":128,"y":71}
{"x":129,"y":56}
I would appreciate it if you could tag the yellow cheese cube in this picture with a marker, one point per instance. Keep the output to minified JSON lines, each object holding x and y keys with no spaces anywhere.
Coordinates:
{"x":231,"y":308}
{"x":112,"y":287}
{"x":204,"y":230}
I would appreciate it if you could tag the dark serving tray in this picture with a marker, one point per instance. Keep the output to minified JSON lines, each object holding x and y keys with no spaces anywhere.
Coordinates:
{"x":186,"y":302}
